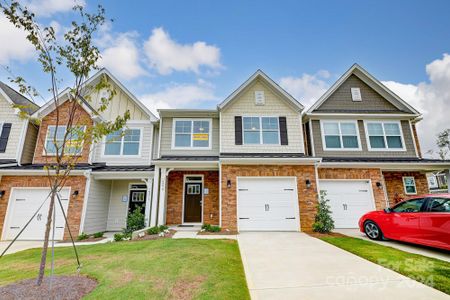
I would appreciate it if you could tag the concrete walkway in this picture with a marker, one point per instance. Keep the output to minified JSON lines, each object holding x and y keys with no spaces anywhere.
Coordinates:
{"x":417,"y":249}
{"x":282,"y":265}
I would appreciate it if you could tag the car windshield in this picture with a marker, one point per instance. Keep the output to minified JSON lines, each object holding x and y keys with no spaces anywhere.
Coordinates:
{"x":409,"y":206}
{"x":440,"y":205}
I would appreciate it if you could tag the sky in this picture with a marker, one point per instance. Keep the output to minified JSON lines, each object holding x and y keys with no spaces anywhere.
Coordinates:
{"x":193,"y":54}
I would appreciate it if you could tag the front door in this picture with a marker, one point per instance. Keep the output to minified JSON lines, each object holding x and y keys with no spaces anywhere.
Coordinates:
{"x":137,"y":200}
{"x":193,"y":202}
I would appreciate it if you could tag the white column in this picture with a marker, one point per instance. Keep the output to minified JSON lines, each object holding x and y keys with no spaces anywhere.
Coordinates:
{"x":162,"y":197}
{"x":154,"y":203}
{"x":149,"y":183}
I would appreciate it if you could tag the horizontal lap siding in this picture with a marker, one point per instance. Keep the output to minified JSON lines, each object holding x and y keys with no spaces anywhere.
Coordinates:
{"x":97,"y":206}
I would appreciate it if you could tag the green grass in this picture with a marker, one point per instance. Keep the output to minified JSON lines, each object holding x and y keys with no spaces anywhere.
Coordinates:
{"x":158,"y":269}
{"x":430,"y":271}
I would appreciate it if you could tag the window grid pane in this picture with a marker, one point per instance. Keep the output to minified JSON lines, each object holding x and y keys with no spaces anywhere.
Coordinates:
{"x":384,"y":135}
{"x":192,"y":134}
{"x":341,"y":135}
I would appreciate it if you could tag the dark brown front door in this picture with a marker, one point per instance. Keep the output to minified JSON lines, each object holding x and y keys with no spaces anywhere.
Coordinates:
{"x":193,"y":202}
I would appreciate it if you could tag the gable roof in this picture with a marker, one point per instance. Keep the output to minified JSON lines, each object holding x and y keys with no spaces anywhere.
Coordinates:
{"x":259,"y":74}
{"x":17,"y":98}
{"x":50,"y":104}
{"x":371,"y":81}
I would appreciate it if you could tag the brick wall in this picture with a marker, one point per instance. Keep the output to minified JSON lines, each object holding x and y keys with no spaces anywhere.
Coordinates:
{"x":374,"y":175}
{"x":307,"y":197}
{"x":175,"y":196}
{"x":395,"y":188}
{"x":81,"y":117}
{"x":75,"y":204}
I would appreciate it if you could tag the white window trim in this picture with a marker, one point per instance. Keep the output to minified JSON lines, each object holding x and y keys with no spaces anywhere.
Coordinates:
{"x":404,"y":185}
{"x":322,"y":122}
{"x":369,"y":147}
{"x":261,"y":131}
{"x":141,"y":130}
{"x":173,"y":147}
{"x":44,"y":149}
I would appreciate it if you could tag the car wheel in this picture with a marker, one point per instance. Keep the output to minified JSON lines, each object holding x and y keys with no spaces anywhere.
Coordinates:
{"x":372,"y":231}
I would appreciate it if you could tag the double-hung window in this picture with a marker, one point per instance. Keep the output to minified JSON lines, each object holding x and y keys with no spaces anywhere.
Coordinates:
{"x":192,"y":134}
{"x":409,"y":184}
{"x":54,"y":142}
{"x":340,"y":135}
{"x":124,"y":142}
{"x":261,"y":130}
{"x":384,"y":136}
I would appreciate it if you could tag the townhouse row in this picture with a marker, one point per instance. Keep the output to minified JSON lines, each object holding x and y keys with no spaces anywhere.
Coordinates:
{"x":255,"y":162}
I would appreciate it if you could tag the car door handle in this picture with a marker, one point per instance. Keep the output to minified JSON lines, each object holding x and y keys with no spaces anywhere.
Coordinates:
{"x":411,"y":218}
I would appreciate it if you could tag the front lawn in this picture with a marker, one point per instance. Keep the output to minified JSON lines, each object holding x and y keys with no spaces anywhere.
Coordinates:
{"x":430,"y":271}
{"x":159,"y":269}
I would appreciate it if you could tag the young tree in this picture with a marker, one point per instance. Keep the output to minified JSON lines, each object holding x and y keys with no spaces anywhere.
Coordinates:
{"x":324,"y":223}
{"x":73,"y":52}
{"x":443,"y":142}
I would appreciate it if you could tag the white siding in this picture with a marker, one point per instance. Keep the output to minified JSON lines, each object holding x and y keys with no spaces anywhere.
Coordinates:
{"x":244,"y":105}
{"x":118,"y":210}
{"x":97,"y":206}
{"x":8,"y":115}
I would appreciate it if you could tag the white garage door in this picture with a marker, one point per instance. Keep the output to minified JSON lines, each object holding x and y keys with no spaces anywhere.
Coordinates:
{"x":23,"y":204}
{"x":267,"y":203}
{"x":349,"y":200}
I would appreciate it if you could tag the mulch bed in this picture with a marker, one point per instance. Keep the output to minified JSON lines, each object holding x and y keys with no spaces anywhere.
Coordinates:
{"x":331,"y":234}
{"x":63,"y":287}
{"x":217,"y":233}
{"x":91,"y":239}
{"x":156,"y":236}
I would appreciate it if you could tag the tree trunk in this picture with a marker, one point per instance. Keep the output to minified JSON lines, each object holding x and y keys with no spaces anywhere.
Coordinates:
{"x":47,"y":235}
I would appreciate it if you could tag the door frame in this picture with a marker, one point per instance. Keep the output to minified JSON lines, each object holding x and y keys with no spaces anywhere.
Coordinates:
{"x":184,"y":195}
{"x":297,"y":203}
{"x":129,"y":199}
{"x":10,"y":208}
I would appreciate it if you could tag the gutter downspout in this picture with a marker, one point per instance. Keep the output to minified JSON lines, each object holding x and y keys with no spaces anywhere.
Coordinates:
{"x":316,"y":171}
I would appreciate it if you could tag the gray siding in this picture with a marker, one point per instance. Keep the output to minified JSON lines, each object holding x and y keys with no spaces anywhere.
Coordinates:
{"x":372,"y":102}
{"x":166,"y":139}
{"x":29,"y":144}
{"x":97,"y":206}
{"x":407,"y":136}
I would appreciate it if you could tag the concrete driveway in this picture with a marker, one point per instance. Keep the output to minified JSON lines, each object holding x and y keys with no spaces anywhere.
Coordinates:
{"x":19,"y":246}
{"x":291,"y":265}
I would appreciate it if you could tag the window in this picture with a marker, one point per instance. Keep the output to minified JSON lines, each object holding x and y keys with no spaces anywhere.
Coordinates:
{"x":192,"y":134}
{"x":384,"y":136}
{"x":124,"y":142}
{"x":193,"y":189}
{"x":440,"y":205}
{"x":409,"y":185}
{"x":73,"y":144}
{"x":340,"y":135}
{"x":261,"y":130}
{"x":414,"y":205}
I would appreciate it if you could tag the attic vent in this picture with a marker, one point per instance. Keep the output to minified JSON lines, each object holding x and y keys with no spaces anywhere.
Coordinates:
{"x":259,"y":98}
{"x":356,"y":94}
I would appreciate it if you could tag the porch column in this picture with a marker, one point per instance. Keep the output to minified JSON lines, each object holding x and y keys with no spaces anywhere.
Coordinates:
{"x":447,"y":174}
{"x":154,"y":203}
{"x":162,"y":197}
{"x":149,"y":183}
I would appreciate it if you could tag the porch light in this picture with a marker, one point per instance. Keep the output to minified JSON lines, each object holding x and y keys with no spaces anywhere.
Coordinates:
{"x":2,"y":193}
{"x":228,"y":183}
{"x":75,"y":193}
{"x":379,"y":185}
{"x":308,"y":183}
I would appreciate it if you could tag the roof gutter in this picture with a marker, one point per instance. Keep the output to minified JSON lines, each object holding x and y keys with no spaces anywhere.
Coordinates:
{"x":269,"y":161}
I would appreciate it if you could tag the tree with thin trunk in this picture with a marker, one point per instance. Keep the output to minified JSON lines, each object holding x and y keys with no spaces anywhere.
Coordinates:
{"x":72,"y":52}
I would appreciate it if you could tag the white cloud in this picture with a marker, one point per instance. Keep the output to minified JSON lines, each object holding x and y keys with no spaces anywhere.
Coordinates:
{"x":121,"y":57}
{"x":15,"y":46}
{"x":166,"y":55}
{"x":306,"y":88}
{"x":431,"y":98}
{"x":181,"y":96}
{"x":45,"y":8}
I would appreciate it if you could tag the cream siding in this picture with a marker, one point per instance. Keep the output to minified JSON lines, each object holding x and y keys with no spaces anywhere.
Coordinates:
{"x":8,"y":115}
{"x":155,"y":143}
{"x":244,"y":105}
{"x":118,"y":210}
{"x":166,"y":139}
{"x":97,"y":206}
{"x":29,"y":144}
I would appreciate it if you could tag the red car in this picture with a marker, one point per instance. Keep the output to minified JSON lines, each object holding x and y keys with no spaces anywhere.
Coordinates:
{"x":423,"y":220}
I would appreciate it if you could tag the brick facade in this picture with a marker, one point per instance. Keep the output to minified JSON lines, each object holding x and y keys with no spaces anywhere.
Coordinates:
{"x":175,"y":196}
{"x":81,"y":117}
{"x":374,"y":175}
{"x":395,"y":188}
{"x":75,"y":203}
{"x":307,"y":197}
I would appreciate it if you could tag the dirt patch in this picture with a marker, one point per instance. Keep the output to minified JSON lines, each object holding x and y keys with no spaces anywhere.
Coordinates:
{"x":217,"y":233}
{"x":186,"y":289}
{"x":320,"y":235}
{"x":156,"y":236}
{"x":63,"y":287}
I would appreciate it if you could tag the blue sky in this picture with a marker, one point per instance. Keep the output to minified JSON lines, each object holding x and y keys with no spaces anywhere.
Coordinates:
{"x":195,"y":53}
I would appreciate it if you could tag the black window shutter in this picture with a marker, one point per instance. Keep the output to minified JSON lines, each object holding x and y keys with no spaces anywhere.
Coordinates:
{"x":238,"y":130}
{"x":283,"y":131}
{"x":4,"y":137}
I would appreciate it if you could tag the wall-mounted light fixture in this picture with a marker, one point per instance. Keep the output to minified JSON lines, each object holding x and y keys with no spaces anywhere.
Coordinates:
{"x":379,"y":185}
{"x":75,"y":193}
{"x":308,"y":183}
{"x":2,"y":193}
{"x":228,"y":183}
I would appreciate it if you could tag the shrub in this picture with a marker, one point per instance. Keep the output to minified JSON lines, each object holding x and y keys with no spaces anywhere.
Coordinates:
{"x":135,"y":221}
{"x":82,"y":236}
{"x":118,"y":237}
{"x":98,"y":234}
{"x":163,"y":228}
{"x":323,"y":221}
{"x":153,"y":230}
{"x":211,"y":228}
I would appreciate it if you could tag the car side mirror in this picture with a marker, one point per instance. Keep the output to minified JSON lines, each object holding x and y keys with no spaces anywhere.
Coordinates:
{"x":387,"y":210}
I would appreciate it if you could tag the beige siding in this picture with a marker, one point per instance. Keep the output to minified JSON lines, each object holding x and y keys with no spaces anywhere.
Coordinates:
{"x":8,"y":115}
{"x":97,"y":206}
{"x":274,"y":106}
{"x":155,"y":143}
{"x":118,"y":210}
{"x":407,"y":136}
{"x":166,"y":139}
{"x":29,"y":144}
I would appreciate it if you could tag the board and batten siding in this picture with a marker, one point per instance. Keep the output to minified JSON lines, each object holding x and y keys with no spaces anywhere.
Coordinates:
{"x":407,"y":137}
{"x":8,"y":115}
{"x":166,"y":139}
{"x":244,"y":105}
{"x":118,"y":210}
{"x":97,"y":208}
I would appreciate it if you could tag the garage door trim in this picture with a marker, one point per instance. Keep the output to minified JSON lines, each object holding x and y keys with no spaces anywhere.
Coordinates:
{"x":294,"y":178}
